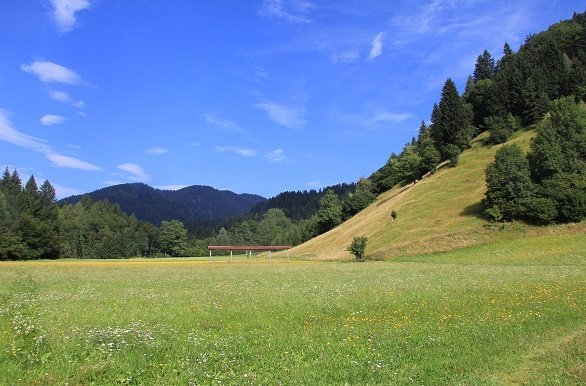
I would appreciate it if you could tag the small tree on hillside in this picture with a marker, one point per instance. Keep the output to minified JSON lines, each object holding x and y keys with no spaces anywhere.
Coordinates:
{"x":358,"y":247}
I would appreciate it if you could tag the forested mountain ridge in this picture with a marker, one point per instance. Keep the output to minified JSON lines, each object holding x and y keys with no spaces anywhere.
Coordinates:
{"x":193,"y":203}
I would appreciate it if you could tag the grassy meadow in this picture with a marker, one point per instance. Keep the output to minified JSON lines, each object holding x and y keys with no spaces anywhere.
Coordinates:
{"x":511,"y":312}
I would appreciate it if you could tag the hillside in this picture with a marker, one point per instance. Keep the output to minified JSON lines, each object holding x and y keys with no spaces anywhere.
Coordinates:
{"x":441,"y":212}
{"x":193,"y":203}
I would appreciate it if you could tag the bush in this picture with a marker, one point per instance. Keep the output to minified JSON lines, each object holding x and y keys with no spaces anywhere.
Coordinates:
{"x":452,"y":154}
{"x":493,"y":214}
{"x":358,"y":247}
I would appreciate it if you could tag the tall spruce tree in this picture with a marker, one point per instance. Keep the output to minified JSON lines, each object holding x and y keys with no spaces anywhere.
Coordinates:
{"x":450,"y":127}
{"x":485,"y":68}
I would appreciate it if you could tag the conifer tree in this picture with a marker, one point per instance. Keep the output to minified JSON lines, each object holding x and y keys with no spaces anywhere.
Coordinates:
{"x":450,"y":125}
{"x":330,"y":212}
{"x":485,"y":68}
{"x":430,"y":156}
{"x":535,"y":101}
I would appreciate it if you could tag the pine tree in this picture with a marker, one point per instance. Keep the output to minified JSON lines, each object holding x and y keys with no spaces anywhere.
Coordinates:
{"x":430,"y":156}
{"x":450,"y":125}
{"x":485,"y":68}
{"x":535,"y":101}
{"x":330,"y":212}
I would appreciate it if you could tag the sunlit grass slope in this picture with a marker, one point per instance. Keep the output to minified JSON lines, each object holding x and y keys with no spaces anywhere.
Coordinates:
{"x":442,"y":212}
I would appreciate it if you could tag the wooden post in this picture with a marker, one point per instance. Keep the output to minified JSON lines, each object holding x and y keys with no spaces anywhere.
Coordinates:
{"x":230,"y":256}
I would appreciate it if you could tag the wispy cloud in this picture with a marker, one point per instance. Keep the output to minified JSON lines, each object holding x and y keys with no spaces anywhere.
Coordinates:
{"x":347,"y":56}
{"x":62,"y":191}
{"x":50,"y":119}
{"x":170,"y":187}
{"x":379,"y":117}
{"x":50,"y":72}
{"x":136,"y":171}
{"x":241,"y":151}
{"x":277,"y":155}
{"x":288,"y":116}
{"x":62,"y":96}
{"x":64,"y":12}
{"x":292,"y":11}
{"x":64,"y":161}
{"x":112,"y":182}
{"x":314,"y":184}
{"x":157,"y":150}
{"x":227,"y":125}
{"x":11,"y":135}
{"x":376,"y":49}
{"x":383,"y":116}
{"x":15,"y":137}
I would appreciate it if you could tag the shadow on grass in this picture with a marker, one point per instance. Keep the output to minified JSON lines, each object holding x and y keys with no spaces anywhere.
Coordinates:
{"x":474,"y":210}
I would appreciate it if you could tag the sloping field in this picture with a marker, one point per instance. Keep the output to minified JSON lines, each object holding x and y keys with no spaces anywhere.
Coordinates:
{"x":510,"y":312}
{"x":442,"y":212}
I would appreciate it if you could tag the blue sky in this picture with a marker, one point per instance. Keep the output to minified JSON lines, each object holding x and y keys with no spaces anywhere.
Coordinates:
{"x":251,"y":96}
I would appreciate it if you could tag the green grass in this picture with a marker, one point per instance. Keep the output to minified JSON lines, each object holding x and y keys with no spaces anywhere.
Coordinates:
{"x":510,"y":312}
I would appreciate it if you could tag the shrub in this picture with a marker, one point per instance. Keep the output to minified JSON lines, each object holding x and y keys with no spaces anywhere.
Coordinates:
{"x":358,"y":247}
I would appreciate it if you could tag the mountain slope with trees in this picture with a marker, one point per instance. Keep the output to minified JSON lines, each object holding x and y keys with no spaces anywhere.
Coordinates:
{"x":194,"y":203}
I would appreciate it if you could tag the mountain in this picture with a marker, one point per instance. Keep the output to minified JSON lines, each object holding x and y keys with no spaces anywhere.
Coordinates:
{"x":191,"y":204}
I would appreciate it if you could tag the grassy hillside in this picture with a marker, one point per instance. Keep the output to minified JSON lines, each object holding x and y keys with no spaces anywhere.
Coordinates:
{"x":442,"y":212}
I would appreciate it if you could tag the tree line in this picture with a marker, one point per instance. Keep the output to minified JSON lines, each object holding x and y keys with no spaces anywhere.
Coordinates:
{"x":33,"y":226}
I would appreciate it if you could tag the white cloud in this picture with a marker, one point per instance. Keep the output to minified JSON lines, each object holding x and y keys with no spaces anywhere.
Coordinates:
{"x":60,"y":96}
{"x":376,"y":49}
{"x":62,"y":191}
{"x":347,"y":56}
{"x":64,"y":12}
{"x":292,"y":11}
{"x":380,"y":117}
{"x":225,"y":124}
{"x":314,"y":184}
{"x":49,"y":72}
{"x":15,"y":137}
{"x":112,"y":182}
{"x":50,"y":119}
{"x":137,"y":172}
{"x":244,"y":152}
{"x":64,"y":97}
{"x":287,"y":116}
{"x":170,"y":187}
{"x":383,"y":116}
{"x":277,"y":155}
{"x":64,"y":161}
{"x":156,"y":150}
